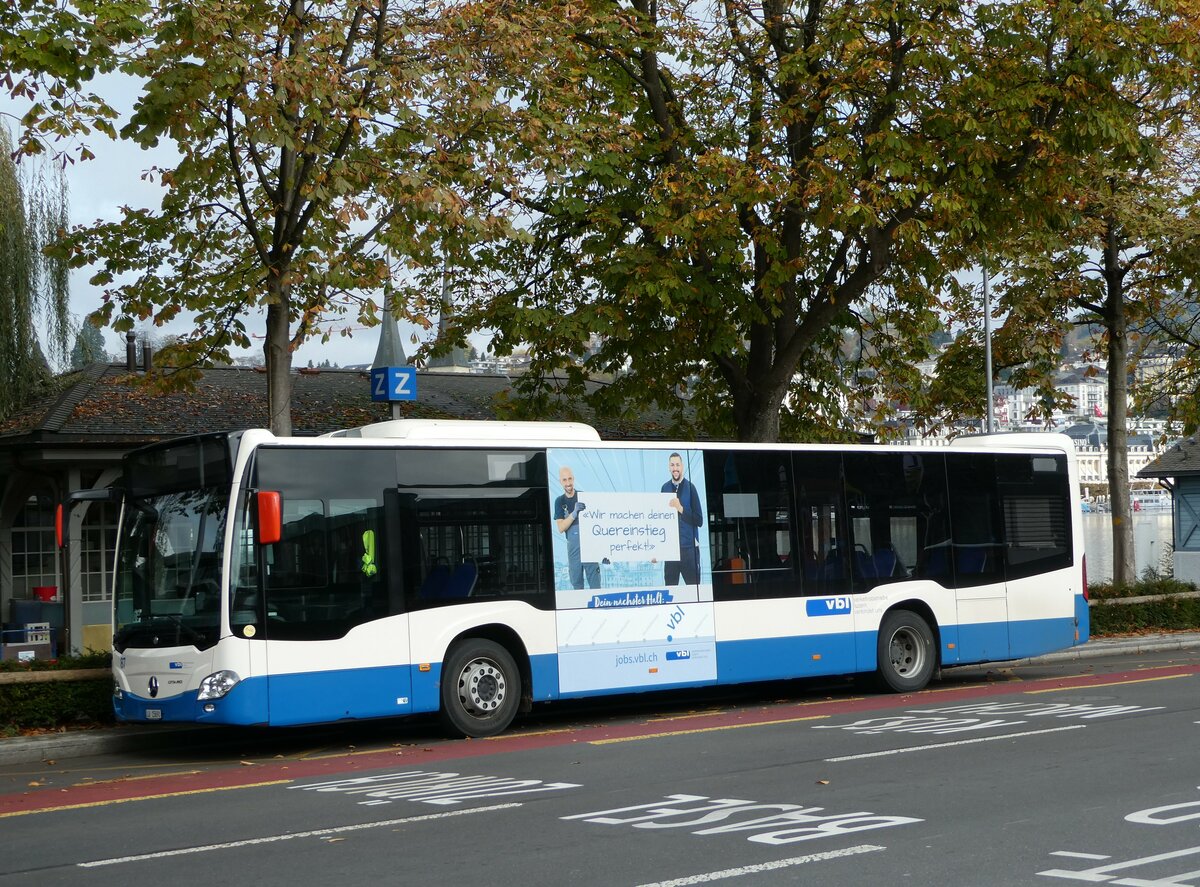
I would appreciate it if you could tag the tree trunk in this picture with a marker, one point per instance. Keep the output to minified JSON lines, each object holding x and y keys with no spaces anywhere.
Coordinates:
{"x":756,"y":412}
{"x":278,"y":352}
{"x":1118,"y":397}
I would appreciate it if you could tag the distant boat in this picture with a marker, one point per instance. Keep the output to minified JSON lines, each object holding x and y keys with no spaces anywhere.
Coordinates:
{"x":1155,"y":499}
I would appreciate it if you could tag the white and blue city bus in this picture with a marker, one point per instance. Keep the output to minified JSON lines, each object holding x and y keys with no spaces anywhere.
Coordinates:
{"x":474,"y":568}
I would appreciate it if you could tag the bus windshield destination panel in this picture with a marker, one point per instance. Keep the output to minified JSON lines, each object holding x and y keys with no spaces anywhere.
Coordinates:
{"x":411,"y":568}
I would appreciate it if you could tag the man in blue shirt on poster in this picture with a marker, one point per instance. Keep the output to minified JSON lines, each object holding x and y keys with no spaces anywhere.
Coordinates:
{"x":685,"y":501}
{"x":566,"y":519}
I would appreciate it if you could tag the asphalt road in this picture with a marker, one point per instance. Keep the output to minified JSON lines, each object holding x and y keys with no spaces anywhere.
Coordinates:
{"x":1067,"y":771}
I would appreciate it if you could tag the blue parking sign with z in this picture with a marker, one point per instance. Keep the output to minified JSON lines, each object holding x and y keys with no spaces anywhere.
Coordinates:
{"x":393,"y":383}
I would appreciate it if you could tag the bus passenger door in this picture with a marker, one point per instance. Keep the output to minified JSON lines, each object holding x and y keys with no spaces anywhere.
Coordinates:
{"x":977,"y":557}
{"x":1040,"y":565}
{"x":337,"y":642}
{"x":982,"y":600}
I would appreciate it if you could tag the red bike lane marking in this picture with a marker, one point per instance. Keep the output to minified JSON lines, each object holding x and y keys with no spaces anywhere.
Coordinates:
{"x":50,"y":798}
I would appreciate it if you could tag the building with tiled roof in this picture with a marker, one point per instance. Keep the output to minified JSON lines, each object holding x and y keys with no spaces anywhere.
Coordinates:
{"x":74,"y":439}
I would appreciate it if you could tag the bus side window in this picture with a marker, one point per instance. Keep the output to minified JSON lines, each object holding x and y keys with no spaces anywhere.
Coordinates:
{"x":898,"y":517}
{"x":461,"y":547}
{"x":821,"y":523}
{"x":1034,"y":496}
{"x":331,"y":570}
{"x":976,"y":525}
{"x":750,"y":523}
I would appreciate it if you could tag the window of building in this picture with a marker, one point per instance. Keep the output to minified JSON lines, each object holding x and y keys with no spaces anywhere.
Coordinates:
{"x":34,"y":552}
{"x":98,"y":543}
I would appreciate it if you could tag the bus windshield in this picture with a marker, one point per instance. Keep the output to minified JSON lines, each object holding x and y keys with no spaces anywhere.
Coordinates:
{"x":168,"y":594}
{"x":169,"y":551}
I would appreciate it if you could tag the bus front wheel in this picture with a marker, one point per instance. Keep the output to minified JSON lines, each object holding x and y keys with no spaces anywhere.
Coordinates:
{"x":906,"y":653}
{"x":481,"y":688}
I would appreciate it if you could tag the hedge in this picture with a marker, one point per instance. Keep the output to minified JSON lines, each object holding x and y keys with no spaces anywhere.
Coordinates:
{"x":1169,"y":614}
{"x":50,"y":705}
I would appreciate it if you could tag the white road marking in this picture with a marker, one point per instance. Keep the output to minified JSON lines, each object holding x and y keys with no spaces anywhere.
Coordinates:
{"x":766,"y":866}
{"x":316,"y":833}
{"x":1075,"y":855}
{"x":1103,"y":873}
{"x":901,"y":751}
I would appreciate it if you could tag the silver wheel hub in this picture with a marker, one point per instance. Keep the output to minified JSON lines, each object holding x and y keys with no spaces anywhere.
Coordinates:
{"x":906,"y":652}
{"x":482,"y":687}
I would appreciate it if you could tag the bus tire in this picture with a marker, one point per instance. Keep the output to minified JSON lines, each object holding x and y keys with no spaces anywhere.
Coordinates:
{"x":481,"y":688}
{"x":906,"y":654}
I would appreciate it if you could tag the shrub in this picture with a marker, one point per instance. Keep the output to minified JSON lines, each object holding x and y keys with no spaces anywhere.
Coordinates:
{"x":53,"y":704}
{"x":1151,"y":585}
{"x":1170,"y":614}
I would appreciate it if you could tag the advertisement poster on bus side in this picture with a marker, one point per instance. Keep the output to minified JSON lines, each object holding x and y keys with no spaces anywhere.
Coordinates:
{"x":632,"y":569}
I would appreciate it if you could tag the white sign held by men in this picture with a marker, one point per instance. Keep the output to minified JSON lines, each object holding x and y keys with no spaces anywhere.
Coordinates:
{"x":627,"y":527}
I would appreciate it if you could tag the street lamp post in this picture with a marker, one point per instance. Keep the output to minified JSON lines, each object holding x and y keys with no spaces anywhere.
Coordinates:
{"x":987,"y":350}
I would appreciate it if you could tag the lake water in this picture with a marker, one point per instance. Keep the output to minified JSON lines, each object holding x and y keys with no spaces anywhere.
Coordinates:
{"x":1153,"y":534}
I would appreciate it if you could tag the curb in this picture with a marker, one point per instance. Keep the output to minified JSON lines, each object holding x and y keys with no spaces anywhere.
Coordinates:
{"x":1156,"y":643}
{"x":115,"y":740}
{"x":81,"y":743}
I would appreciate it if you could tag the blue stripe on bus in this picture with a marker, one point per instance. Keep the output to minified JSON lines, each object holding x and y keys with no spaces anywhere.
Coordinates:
{"x":245,"y":704}
{"x":999,"y":641}
{"x":982,"y":642}
{"x":313,"y":697}
{"x":338,"y":695}
{"x":1038,"y":636}
{"x":766,"y":659}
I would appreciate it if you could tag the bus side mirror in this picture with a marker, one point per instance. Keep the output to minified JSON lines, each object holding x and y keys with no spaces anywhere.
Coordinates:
{"x":270,"y":520}
{"x":107,"y":494}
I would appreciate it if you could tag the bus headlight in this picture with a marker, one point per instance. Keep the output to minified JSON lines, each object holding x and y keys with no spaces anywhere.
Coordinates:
{"x":218,"y":684}
{"x":118,"y":693}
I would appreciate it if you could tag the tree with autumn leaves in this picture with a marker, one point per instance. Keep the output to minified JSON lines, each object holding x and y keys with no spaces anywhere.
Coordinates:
{"x":722,"y":193}
{"x":714,"y":199}
{"x":307,"y":174}
{"x":1116,"y":250}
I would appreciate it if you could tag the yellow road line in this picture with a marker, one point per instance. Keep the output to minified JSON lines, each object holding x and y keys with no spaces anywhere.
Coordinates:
{"x":1168,"y":677}
{"x":691,"y":716}
{"x":90,"y":781}
{"x":509,"y":736}
{"x":195,"y":791}
{"x":353,"y":753}
{"x":667,"y":733}
{"x":1002,"y":678}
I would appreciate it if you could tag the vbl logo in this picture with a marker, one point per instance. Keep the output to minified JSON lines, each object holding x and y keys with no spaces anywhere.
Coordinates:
{"x":830,"y":606}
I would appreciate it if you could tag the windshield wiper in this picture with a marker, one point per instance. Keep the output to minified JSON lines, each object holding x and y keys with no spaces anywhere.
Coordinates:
{"x":183,"y":627}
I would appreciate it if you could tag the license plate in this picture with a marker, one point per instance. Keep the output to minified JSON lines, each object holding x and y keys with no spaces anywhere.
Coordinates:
{"x":154,"y":714}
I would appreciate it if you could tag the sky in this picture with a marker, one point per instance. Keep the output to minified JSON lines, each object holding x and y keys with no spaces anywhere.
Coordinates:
{"x":98,"y":188}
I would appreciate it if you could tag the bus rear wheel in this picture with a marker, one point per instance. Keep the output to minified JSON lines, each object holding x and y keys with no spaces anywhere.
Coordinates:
{"x":906,"y":653}
{"x":481,"y":688}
